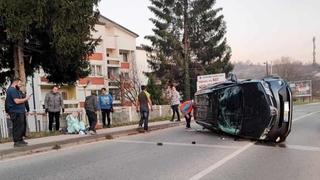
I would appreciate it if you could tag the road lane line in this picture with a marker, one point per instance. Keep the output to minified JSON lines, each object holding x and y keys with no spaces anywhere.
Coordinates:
{"x":220,"y":163}
{"x":304,"y":116}
{"x":303,"y":148}
{"x":179,"y":144}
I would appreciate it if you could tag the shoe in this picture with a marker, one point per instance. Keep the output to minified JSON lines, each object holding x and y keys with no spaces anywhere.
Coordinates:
{"x":23,"y":142}
{"x":104,"y":126}
{"x":93,"y":132}
{"x":171,"y":120}
{"x":178,"y":120}
{"x":20,"y":144}
{"x":108,"y":126}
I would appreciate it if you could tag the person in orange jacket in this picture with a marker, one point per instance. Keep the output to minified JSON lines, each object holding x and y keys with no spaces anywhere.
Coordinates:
{"x":186,"y":109}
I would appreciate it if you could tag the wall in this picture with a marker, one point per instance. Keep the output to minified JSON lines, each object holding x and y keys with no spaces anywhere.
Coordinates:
{"x":141,"y":62}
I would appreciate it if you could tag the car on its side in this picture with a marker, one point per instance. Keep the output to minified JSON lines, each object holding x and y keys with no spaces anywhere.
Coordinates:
{"x":255,"y":109}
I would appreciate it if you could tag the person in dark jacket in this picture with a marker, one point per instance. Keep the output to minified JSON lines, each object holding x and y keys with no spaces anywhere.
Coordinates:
{"x":23,"y":95}
{"x":144,"y":105}
{"x":90,"y":105}
{"x":15,"y":106}
{"x":53,"y":103}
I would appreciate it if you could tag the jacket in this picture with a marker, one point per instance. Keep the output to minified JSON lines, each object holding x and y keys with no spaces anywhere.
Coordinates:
{"x":175,"y":98}
{"x":53,"y":102}
{"x":90,"y":103}
{"x":105,"y":101}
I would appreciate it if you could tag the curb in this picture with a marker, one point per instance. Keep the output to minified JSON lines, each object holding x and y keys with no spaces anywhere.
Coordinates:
{"x":56,"y":145}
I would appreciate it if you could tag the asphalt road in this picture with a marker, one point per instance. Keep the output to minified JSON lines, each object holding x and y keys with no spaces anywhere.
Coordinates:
{"x":170,"y":154}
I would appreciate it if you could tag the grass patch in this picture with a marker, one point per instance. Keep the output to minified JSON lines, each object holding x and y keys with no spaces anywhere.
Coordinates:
{"x":33,"y":135}
{"x":306,"y":101}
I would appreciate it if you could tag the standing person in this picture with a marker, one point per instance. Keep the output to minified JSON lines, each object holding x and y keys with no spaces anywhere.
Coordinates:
{"x":15,"y":106}
{"x":174,"y":101}
{"x":186,"y":109}
{"x":90,"y":105}
{"x":144,"y":104}
{"x":53,"y":103}
{"x":105,"y":104}
{"x":23,"y":95}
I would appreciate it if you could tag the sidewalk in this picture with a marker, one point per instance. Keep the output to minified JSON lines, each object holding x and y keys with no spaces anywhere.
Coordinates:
{"x":56,"y":142}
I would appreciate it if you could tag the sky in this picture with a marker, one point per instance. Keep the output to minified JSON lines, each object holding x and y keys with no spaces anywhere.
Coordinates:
{"x":257,"y":30}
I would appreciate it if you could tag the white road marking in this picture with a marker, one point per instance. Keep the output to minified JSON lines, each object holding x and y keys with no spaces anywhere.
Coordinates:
{"x":220,"y":163}
{"x":234,"y":154}
{"x":303,"y":148}
{"x":179,"y":144}
{"x":304,"y":116}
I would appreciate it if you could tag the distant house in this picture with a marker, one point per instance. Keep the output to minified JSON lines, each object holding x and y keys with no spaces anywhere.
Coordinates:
{"x":142,"y":63}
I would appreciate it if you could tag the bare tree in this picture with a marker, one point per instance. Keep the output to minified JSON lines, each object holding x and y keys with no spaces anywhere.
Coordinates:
{"x":287,"y":68}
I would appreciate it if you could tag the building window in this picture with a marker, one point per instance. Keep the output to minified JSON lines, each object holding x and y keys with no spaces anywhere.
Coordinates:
{"x":64,"y":95}
{"x":115,"y":94}
{"x":93,"y":70}
{"x":99,"y":70}
{"x":98,"y":92}
{"x":96,"y":70}
{"x":125,"y":76}
{"x":124,"y":56}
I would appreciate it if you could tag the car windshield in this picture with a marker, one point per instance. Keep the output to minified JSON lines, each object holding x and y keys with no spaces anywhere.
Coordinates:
{"x":230,"y":109}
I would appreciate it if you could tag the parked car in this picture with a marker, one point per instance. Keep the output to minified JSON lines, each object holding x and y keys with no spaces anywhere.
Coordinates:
{"x":255,"y":109}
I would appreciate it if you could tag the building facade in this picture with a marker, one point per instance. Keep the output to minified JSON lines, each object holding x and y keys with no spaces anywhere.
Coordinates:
{"x":115,"y":56}
{"x":142,"y":63}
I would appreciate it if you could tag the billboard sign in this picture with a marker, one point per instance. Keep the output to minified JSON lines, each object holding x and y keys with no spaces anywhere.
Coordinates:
{"x":301,"y":88}
{"x":208,"y":80}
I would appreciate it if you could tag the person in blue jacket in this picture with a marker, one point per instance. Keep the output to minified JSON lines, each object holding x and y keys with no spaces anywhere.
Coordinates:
{"x":105,"y":102}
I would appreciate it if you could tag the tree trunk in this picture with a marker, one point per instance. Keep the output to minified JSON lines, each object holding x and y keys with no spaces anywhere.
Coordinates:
{"x":19,"y":69}
{"x":186,"y":52}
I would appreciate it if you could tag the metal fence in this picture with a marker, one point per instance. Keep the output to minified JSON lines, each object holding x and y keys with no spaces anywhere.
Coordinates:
{"x":39,"y":121}
{"x":4,"y":128}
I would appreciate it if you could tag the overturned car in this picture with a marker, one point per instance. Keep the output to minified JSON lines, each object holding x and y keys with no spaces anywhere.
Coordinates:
{"x":255,"y":109}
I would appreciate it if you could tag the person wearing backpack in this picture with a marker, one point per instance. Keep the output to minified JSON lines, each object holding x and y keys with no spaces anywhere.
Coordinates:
{"x":105,"y":102}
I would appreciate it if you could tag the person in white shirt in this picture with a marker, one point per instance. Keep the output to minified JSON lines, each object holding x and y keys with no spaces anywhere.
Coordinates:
{"x":174,"y":102}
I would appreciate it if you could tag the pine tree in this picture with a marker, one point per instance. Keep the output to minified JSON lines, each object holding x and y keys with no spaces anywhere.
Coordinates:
{"x":155,"y":91}
{"x":53,"y":35}
{"x":189,"y":40}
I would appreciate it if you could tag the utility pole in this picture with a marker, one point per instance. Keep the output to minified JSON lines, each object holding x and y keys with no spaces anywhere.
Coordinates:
{"x":186,"y":51}
{"x":314,"y":51}
{"x":267,"y":68}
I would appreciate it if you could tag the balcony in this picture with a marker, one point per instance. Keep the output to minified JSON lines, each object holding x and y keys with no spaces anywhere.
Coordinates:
{"x":92,"y":80}
{"x":125,"y":65}
{"x":113,"y":63}
{"x":96,"y":56}
{"x":113,"y":84}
